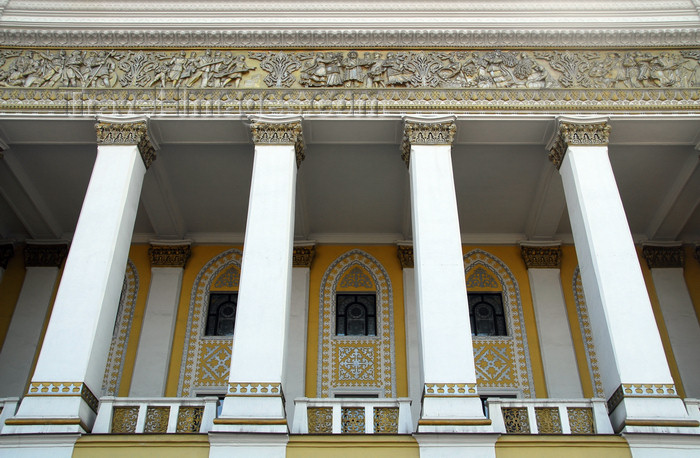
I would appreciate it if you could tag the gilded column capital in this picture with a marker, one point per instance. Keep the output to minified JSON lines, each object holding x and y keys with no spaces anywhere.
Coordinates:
{"x":303,"y":255}
{"x":420,"y":131}
{"x":577,"y":132}
{"x":118,"y":132}
{"x":541,"y":257}
{"x":44,"y":255}
{"x":164,"y":255}
{"x":282,"y":132}
{"x":7,"y":250}
{"x":659,"y":256}
{"x":405,"y":255}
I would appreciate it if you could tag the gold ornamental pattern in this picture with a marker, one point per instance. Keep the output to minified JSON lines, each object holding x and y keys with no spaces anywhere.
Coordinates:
{"x":541,"y":257}
{"x":233,"y":81}
{"x":658,"y":257}
{"x":45,"y":255}
{"x":128,"y":133}
{"x":169,"y":255}
{"x":574,"y":134}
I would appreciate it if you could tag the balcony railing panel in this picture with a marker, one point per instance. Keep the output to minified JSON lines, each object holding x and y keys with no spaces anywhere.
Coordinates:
{"x":352,"y":416}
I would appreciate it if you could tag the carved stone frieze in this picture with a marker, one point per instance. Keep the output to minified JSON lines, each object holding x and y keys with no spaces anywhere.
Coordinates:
{"x":577,"y":134}
{"x":405,"y":254}
{"x":36,"y":255}
{"x":542,"y":257}
{"x":127,"y":133}
{"x":303,"y":256}
{"x":663,"y":256}
{"x":284,"y":133}
{"x":7,"y":250}
{"x":426,"y":133}
{"x":169,"y":255}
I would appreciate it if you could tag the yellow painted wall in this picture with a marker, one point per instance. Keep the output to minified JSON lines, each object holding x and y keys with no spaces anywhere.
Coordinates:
{"x":10,"y":287}
{"x":352,"y":447}
{"x":387,"y":256}
{"x":142,"y":446}
{"x":514,"y":446}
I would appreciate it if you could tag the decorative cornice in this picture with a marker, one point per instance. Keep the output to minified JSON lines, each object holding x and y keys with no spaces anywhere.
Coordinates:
{"x":387,"y":37}
{"x":658,"y":257}
{"x":452,"y":390}
{"x":282,"y":133}
{"x":405,"y":255}
{"x":541,"y":257}
{"x":64,"y":389}
{"x":303,"y":256}
{"x":577,"y":133}
{"x":127,"y":133}
{"x":40,"y":255}
{"x":641,"y":390}
{"x":169,"y":255}
{"x":7,"y":250}
{"x":426,"y":132}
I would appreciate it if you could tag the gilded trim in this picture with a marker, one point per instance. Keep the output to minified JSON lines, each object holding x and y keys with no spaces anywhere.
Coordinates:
{"x":64,"y":389}
{"x":405,"y":255}
{"x":169,"y":255}
{"x":541,"y":257}
{"x":450,"y":390}
{"x":641,"y":390}
{"x":46,"y":421}
{"x":662,"y":423}
{"x":426,"y":133}
{"x":658,"y":257}
{"x":127,"y":133}
{"x":577,"y":134}
{"x":587,"y":334}
{"x":254,"y":389}
{"x":303,"y":256}
{"x":7,"y":250}
{"x":39,"y":255}
{"x":284,"y":133}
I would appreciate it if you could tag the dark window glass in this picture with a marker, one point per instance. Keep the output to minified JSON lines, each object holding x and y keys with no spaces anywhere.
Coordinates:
{"x":356,"y":315}
{"x":221,"y":318}
{"x":486,"y":314}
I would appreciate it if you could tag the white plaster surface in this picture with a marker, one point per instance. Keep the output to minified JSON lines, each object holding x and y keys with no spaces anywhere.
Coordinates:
{"x":558,"y":357}
{"x":38,"y":446}
{"x":295,"y":351}
{"x":153,"y":357}
{"x":222,"y":445}
{"x":24,"y":333}
{"x":681,"y":323}
{"x":457,"y":445}
{"x":413,"y":369}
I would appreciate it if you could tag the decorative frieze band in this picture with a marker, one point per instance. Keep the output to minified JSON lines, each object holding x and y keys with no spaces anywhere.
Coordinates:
{"x":39,"y":255}
{"x":169,"y":255}
{"x":458,"y":390}
{"x":303,"y":256}
{"x":405,"y":254}
{"x":577,"y":134}
{"x":64,"y":389}
{"x":254,"y":389}
{"x":541,"y":257}
{"x":284,"y":133}
{"x":426,"y":133}
{"x":641,"y":390}
{"x":663,"y":256}
{"x":7,"y":250}
{"x":127,"y":133}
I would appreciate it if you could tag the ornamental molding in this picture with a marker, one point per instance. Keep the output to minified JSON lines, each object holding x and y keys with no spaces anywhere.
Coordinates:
{"x":541,"y":257}
{"x":7,"y":250}
{"x":255,"y":389}
{"x":127,"y":133}
{"x":426,"y":132}
{"x":658,"y":257}
{"x":303,"y":256}
{"x":40,"y":255}
{"x":64,"y":389}
{"x":452,"y":390}
{"x":169,"y":255}
{"x":577,"y":132}
{"x":384,"y":36}
{"x":641,"y":390}
{"x":279,"y":133}
{"x":405,"y":255}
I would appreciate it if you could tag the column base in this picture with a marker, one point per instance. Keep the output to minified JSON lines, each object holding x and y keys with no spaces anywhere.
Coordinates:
{"x":457,"y":445}
{"x":453,"y":415}
{"x":252,"y":414}
{"x":663,"y":445}
{"x":225,"y":445}
{"x":653,"y":415}
{"x":51,"y":414}
{"x":37,"y":445}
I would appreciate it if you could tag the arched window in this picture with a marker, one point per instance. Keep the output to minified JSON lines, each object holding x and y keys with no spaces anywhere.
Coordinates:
{"x":486,"y":314}
{"x":356,"y":315}
{"x":221,"y":317}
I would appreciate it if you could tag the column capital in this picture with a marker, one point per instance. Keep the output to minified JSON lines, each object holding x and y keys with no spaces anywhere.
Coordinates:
{"x":127,"y":131}
{"x":539,"y":256}
{"x":577,"y":132}
{"x":169,"y":254}
{"x":7,"y":250}
{"x":405,"y":255}
{"x":45,"y":255}
{"x":279,"y":131}
{"x":426,"y":131}
{"x":663,"y":256}
{"x":303,"y":255}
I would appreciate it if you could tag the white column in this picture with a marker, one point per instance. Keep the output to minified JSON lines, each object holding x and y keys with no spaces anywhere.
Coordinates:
{"x":6,"y":252}
{"x":636,"y":378}
{"x":72,"y":360}
{"x":294,"y":381}
{"x":254,"y":402}
{"x":410,"y":310}
{"x":556,"y":345}
{"x":168,"y":261}
{"x":666,"y":264}
{"x":450,"y":399}
{"x":42,"y":262}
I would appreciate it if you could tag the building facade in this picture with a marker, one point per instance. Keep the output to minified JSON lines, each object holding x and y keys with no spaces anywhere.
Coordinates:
{"x":314,"y":229}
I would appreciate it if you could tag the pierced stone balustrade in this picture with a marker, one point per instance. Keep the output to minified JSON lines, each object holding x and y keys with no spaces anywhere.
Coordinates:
{"x":352,"y":416}
{"x":8,"y":407}
{"x":549,"y":416}
{"x":160,"y":415}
